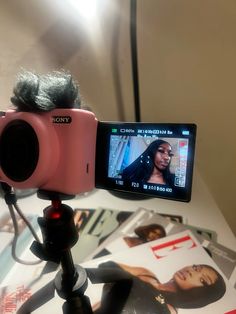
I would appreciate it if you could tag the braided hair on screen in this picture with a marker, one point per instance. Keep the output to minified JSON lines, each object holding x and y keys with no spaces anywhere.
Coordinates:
{"x":42,"y":93}
{"x":142,"y":167}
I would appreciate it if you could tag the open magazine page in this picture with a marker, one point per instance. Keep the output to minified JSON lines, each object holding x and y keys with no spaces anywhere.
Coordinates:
{"x":169,"y":275}
{"x":98,"y":225}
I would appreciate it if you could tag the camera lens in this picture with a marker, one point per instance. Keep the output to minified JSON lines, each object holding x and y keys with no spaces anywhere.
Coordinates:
{"x":19,"y":150}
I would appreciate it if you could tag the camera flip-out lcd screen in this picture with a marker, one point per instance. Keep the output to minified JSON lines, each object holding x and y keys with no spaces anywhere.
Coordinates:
{"x":146,"y":158}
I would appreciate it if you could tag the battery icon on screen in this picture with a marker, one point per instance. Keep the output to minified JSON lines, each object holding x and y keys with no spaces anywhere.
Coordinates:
{"x":114,"y":130}
{"x":185,"y":132}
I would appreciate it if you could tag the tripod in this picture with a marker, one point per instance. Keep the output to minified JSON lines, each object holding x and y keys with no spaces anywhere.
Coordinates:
{"x":59,"y":235}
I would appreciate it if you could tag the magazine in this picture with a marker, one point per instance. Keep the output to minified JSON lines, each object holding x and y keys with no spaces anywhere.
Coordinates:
{"x":98,"y":225}
{"x":224,"y":257}
{"x":175,"y":218}
{"x":129,"y":233}
{"x":180,"y":254}
{"x":207,"y":234}
{"x":93,"y":226}
{"x":170,"y":275}
{"x":125,"y":237}
{"x":82,"y":217}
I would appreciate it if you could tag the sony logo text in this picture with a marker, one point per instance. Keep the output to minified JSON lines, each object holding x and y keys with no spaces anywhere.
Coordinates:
{"x":61,"y":119}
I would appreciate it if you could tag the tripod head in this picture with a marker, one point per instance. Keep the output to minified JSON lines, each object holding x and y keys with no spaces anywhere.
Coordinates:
{"x":57,"y":226}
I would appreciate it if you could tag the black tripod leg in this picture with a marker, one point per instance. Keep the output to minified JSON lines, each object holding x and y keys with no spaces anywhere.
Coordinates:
{"x":78,"y":305}
{"x":38,"y":299}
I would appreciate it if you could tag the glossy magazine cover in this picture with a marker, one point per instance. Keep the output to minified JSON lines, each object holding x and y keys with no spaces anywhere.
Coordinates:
{"x":170,"y":275}
{"x":94,"y":226}
{"x":145,"y":225}
{"x":133,"y":230}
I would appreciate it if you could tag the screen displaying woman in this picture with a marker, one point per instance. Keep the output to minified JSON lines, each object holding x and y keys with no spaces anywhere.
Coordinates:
{"x":153,"y":165}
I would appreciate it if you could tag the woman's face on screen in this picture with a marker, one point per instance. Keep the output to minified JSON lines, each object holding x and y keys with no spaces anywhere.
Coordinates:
{"x":163,"y":156}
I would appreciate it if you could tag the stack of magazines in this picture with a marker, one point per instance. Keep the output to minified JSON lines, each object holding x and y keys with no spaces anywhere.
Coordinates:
{"x":150,"y":263}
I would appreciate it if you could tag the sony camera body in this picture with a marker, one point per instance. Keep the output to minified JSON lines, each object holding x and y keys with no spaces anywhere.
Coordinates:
{"x":69,"y":151}
{"x":53,"y":150}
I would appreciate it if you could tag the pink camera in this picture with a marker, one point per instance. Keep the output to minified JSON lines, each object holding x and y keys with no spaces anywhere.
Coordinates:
{"x":42,"y":150}
{"x":50,"y":144}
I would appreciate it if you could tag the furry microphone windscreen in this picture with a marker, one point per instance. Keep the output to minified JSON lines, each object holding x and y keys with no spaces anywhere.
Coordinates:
{"x":41,"y":93}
